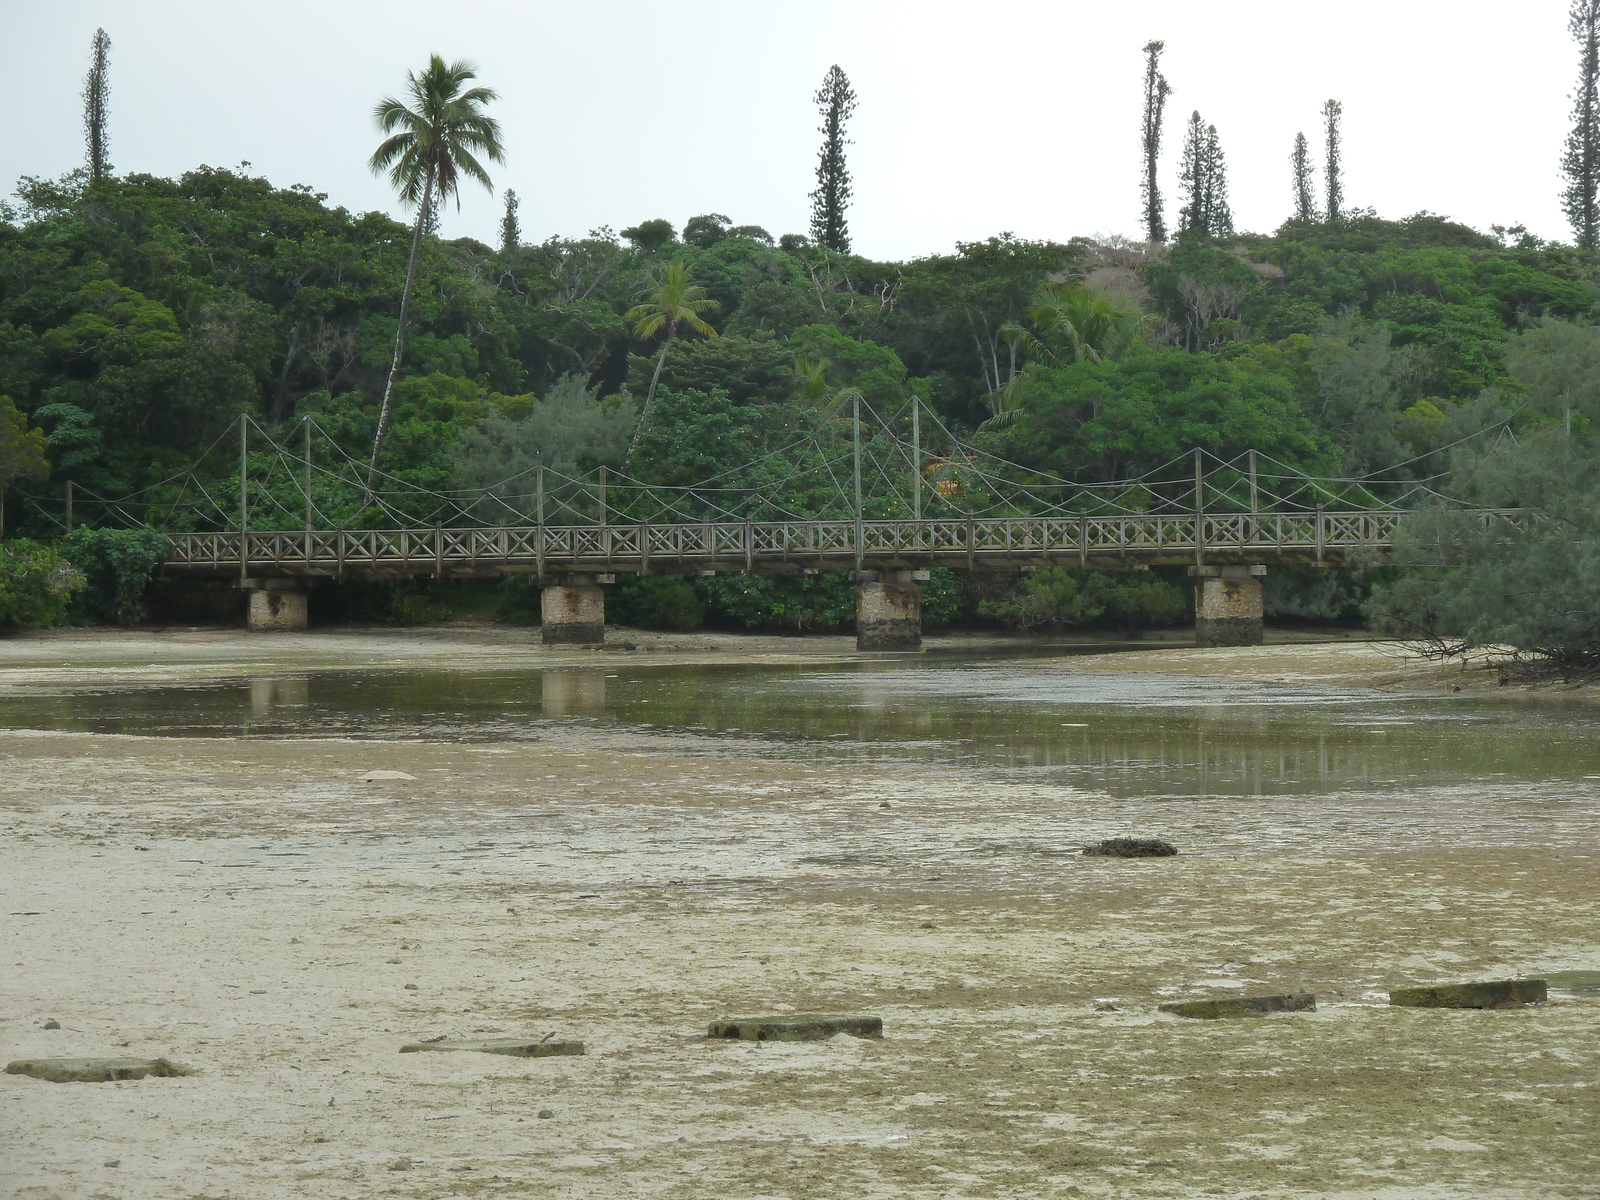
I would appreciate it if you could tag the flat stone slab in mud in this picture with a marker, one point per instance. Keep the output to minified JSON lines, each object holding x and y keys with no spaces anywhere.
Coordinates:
{"x":1132,"y":848}
{"x":96,"y":1070}
{"x":1499,"y":993}
{"x":796,"y":1027}
{"x":1243,"y":1006}
{"x":516,"y":1047}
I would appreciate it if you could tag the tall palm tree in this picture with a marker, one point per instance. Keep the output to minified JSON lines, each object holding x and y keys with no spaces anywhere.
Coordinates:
{"x":675,"y":300}
{"x":433,"y":141}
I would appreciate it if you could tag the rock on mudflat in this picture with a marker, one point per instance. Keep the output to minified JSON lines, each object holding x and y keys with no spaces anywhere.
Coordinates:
{"x":795,"y":1027}
{"x":516,"y":1047}
{"x":1243,"y":1006}
{"x":1499,"y":993}
{"x":95,"y":1070}
{"x":1132,"y":848}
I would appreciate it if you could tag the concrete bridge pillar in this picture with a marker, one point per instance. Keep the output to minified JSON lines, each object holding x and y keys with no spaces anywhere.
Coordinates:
{"x":573,"y":611}
{"x":276,"y":606}
{"x":889,"y":609}
{"x":1228,"y":605}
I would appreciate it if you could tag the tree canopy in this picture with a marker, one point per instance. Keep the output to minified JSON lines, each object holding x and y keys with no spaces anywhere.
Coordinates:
{"x":141,"y":316}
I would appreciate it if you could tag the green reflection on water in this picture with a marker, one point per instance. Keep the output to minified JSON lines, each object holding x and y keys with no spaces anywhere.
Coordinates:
{"x":1125,"y":732}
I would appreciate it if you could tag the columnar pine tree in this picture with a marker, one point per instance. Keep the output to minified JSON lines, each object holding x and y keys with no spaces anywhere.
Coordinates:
{"x":1334,"y":208}
{"x":1305,"y":201}
{"x":1192,"y":177}
{"x":96,"y":95}
{"x":510,"y":227}
{"x":837,"y":101}
{"x":1156,"y":91}
{"x":1580,"y":164}
{"x":1204,"y":180}
{"x":1218,"y":213}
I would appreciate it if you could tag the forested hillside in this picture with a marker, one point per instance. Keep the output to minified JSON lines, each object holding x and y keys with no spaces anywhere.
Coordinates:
{"x":140,"y":316}
{"x":215,"y":352}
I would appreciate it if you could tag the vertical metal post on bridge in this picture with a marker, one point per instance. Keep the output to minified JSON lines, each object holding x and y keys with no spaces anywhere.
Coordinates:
{"x":1199,"y":509}
{"x":916,"y":464}
{"x":244,"y":499}
{"x":857,"y":455}
{"x":306,"y":486}
{"x":538,"y":516}
{"x":1255,"y":501}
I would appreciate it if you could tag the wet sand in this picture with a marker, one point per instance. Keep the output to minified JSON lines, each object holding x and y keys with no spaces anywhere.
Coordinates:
{"x":253,"y":909}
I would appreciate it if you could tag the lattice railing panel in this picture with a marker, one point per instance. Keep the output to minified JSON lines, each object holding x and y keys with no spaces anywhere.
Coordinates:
{"x":757,"y":545}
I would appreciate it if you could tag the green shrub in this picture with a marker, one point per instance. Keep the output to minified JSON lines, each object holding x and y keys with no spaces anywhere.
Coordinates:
{"x":945,"y":598}
{"x":383,"y":602}
{"x":36,"y":585}
{"x":1056,"y":597}
{"x":117,"y":566}
{"x":516,"y":600}
{"x":1312,"y":593}
{"x":654,"y":602}
{"x":789,"y":602}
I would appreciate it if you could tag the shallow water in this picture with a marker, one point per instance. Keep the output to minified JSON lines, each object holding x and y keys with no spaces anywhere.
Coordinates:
{"x":1121,"y":732}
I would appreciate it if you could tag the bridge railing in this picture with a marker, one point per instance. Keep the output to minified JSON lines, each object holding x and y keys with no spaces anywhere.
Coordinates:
{"x":764,"y":544}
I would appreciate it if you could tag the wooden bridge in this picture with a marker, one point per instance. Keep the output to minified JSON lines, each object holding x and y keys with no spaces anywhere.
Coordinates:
{"x":778,"y":547}
{"x":1226,"y":520}
{"x":1228,"y":552}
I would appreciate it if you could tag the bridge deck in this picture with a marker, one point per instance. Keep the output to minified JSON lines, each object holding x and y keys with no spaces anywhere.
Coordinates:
{"x":775,"y":547}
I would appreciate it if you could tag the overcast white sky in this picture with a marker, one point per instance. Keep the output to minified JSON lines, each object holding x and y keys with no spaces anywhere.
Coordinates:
{"x":1018,"y":115}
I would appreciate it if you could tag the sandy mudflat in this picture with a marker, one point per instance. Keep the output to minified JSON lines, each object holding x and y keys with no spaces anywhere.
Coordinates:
{"x":250,"y":908}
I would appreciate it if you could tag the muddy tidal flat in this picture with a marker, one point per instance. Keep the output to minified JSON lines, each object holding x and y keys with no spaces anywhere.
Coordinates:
{"x":623,"y":846}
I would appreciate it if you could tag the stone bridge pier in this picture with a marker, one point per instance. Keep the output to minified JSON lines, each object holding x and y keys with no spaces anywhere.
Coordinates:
{"x":275,"y":605}
{"x":572,"y":609}
{"x":1228,"y":605}
{"x":889,"y":609}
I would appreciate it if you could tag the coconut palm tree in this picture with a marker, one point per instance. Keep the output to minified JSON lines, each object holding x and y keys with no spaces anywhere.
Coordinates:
{"x":811,"y":378}
{"x":1072,"y":322}
{"x":433,"y":141}
{"x":675,"y":300}
{"x":1077,"y":323}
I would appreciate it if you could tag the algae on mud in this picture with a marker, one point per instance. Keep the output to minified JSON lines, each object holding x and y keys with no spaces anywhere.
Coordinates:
{"x":97,"y":1070}
{"x":1242,"y":1006}
{"x":241,"y":902}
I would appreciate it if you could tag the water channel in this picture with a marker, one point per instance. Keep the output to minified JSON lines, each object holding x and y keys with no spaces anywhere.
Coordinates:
{"x":1126,"y":733}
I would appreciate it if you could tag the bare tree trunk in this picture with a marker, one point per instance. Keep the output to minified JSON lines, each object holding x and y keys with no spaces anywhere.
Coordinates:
{"x":385,"y":412}
{"x":649,"y":399}
{"x":280,"y":400}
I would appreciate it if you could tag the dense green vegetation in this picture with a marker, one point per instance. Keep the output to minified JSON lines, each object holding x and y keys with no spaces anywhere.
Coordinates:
{"x":141,"y":318}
